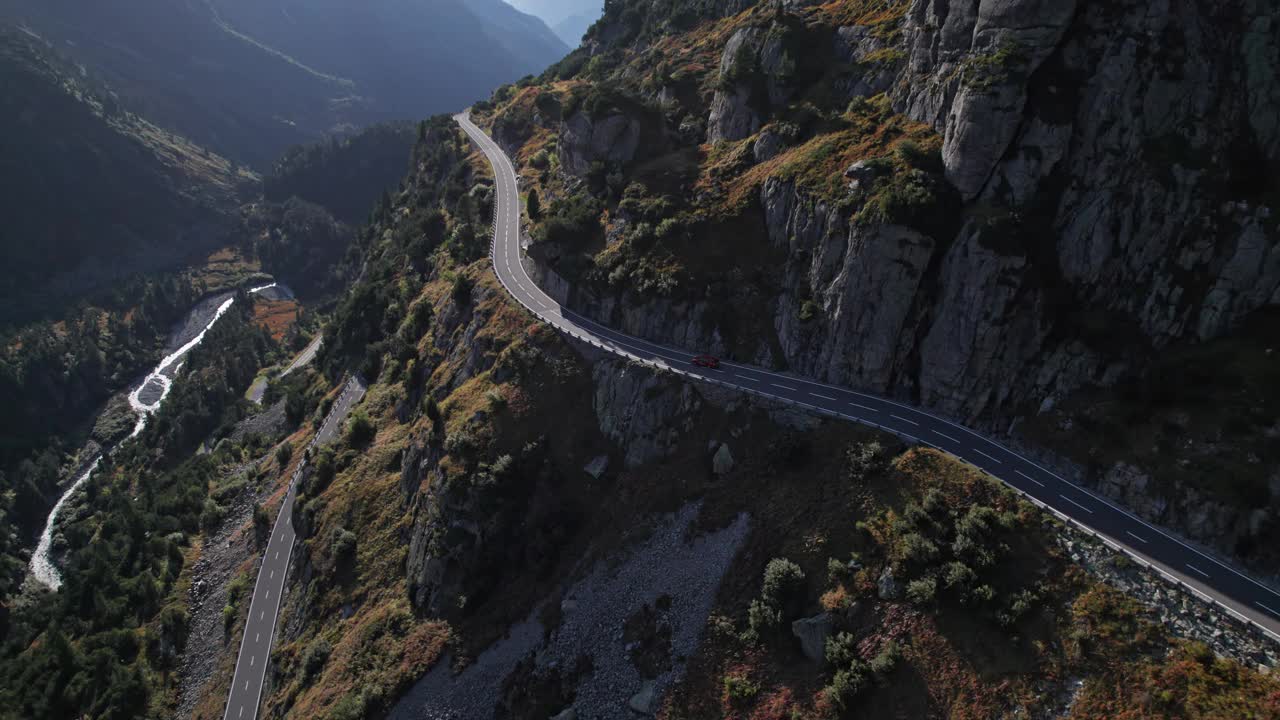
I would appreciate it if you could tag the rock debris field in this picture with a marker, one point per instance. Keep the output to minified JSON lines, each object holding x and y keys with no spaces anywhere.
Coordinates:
{"x":668,"y":565}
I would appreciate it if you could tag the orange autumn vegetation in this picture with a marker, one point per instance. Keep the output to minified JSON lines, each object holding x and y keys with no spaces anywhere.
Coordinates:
{"x":276,"y":316}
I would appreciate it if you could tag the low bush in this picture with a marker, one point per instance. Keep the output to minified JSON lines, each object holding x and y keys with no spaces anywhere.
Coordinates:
{"x":313,"y":659}
{"x":360,"y":431}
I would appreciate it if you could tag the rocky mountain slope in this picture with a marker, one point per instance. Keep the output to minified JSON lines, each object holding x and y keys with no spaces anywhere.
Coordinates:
{"x":518,"y":526}
{"x":91,"y":191}
{"x":249,"y":79}
{"x":982,"y":208}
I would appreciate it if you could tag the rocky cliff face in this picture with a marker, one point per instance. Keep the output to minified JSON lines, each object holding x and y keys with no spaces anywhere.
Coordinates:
{"x":1116,"y":166}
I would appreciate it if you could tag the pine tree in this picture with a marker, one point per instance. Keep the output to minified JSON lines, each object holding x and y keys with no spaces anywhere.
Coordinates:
{"x":534,"y":206}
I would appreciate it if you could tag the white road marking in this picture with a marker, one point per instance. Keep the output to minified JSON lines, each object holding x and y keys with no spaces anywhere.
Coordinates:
{"x":268,"y":597}
{"x":784,"y":387}
{"x":277,"y":555}
{"x":935,"y":432}
{"x":1029,"y":478}
{"x":863,"y":407}
{"x":744,"y":377}
{"x":1073,"y":502}
{"x":995,"y":460}
{"x":246,"y":684}
{"x":899,"y":417}
{"x":273,"y":575}
{"x":824,"y":397}
{"x":257,"y":636}
{"x":251,"y":659}
{"x":1264,"y":607}
{"x":1193,"y":567}
{"x":241,"y":713}
{"x":1139,"y":538}
{"x":260,"y":614}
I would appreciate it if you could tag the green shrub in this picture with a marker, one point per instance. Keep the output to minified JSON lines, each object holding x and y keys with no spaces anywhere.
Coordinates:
{"x":864,"y":459}
{"x":922,"y":591}
{"x":914,"y":156}
{"x":956,"y":575}
{"x":841,"y":650}
{"x":886,"y":660}
{"x":845,"y":686}
{"x":533,"y":206}
{"x":314,"y":658}
{"x":740,"y":689}
{"x":763,"y":617}
{"x":343,"y":546}
{"x":210,"y":515}
{"x":261,"y":524}
{"x":783,"y":582}
{"x":914,"y":548}
{"x":461,"y":444}
{"x":496,"y":399}
{"x":352,"y":706}
{"x":808,"y":310}
{"x":461,"y":291}
{"x":284,"y":453}
{"x":360,"y":431}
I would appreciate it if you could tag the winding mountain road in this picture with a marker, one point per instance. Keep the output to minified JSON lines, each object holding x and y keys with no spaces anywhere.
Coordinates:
{"x":259,"y":628}
{"x":1207,"y":576}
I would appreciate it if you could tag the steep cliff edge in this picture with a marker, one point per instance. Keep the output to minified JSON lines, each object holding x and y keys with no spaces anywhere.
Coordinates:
{"x":982,"y":207}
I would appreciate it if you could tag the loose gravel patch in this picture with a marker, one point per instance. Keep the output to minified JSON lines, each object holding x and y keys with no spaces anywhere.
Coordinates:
{"x":594,"y":613}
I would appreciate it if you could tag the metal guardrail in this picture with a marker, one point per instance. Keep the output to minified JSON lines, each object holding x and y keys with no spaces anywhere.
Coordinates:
{"x":662,"y":367}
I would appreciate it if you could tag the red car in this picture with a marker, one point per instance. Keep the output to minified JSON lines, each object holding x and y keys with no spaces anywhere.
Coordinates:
{"x":707,"y":361}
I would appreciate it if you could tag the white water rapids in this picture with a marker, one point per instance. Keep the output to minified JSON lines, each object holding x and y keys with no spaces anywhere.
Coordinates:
{"x":145,"y":400}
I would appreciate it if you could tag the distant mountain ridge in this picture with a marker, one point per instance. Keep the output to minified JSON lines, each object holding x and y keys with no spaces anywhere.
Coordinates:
{"x":91,"y":192}
{"x":570,"y":19}
{"x":250,"y":78}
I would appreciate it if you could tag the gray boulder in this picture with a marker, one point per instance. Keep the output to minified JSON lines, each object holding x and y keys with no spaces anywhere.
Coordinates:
{"x":611,"y":139}
{"x":812,"y":632}
{"x":597,"y":466}
{"x":722,"y":462}
{"x":645,"y":701}
{"x":888,"y":587}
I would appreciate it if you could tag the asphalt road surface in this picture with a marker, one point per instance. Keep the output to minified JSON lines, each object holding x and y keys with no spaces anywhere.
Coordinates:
{"x":264,"y":607}
{"x":1208,"y":576}
{"x":307,"y":355}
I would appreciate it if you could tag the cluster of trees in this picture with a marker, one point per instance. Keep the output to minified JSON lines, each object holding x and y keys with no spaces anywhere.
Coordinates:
{"x":955,"y":555}
{"x":104,"y":644}
{"x":446,"y":227}
{"x":206,"y":399}
{"x":303,"y":242}
{"x":345,"y":175}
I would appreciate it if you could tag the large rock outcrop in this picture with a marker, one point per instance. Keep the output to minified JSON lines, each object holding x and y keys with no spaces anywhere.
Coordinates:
{"x":611,"y":139}
{"x":1118,"y":168}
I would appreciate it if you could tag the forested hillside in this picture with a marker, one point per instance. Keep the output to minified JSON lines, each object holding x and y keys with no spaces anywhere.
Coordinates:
{"x":347,"y":175}
{"x":93,"y":193}
{"x":104,"y":646}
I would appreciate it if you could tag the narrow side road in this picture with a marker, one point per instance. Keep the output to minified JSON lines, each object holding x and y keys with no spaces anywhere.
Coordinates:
{"x":264,"y":607}
{"x":306,"y":356}
{"x":1228,"y":586}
